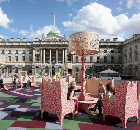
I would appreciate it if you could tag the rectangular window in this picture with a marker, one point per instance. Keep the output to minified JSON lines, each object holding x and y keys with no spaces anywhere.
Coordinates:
{"x":30,"y":51}
{"x":23,"y":58}
{"x":9,"y":57}
{"x":23,"y":51}
{"x":76,"y":58}
{"x":59,"y":60}
{"x":136,"y":56}
{"x":53,"y":51}
{"x":9,"y":51}
{"x":47,"y":52}
{"x":16,"y":51}
{"x":105,"y":51}
{"x":2,"y":51}
{"x":59,"y":51}
{"x":37,"y":51}
{"x":30,"y":58}
{"x":69,"y":58}
{"x":37,"y":58}
{"x":112,"y":58}
{"x":119,"y":59}
{"x":16,"y":70}
{"x":112,"y":51}
{"x":91,"y":58}
{"x":2,"y":70}
{"x":105,"y":58}
{"x":98,"y":58}
{"x":47,"y":60}
{"x":9,"y":69}
{"x":16,"y":58}
{"x":53,"y":59}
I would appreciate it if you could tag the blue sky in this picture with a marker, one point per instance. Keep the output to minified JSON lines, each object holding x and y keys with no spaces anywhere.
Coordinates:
{"x":30,"y":18}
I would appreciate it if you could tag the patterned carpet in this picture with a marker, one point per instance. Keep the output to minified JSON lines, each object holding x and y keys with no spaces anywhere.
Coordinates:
{"x":20,"y":110}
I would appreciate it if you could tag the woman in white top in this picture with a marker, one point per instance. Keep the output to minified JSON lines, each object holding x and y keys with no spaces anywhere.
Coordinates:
{"x":110,"y":96}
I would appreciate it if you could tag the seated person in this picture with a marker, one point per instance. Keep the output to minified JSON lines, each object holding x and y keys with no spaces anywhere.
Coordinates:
{"x":24,"y":82}
{"x":110,"y":96}
{"x":71,"y":96}
{"x":2,"y":85}
{"x":101,"y":90}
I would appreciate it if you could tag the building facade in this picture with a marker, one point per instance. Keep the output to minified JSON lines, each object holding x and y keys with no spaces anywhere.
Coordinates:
{"x":47,"y":56}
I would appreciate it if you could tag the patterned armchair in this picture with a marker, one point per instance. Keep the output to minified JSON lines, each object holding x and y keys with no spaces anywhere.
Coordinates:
{"x":126,"y":104}
{"x":54,"y":98}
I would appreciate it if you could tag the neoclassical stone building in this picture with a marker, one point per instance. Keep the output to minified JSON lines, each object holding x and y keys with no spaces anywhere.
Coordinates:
{"x":47,"y":56}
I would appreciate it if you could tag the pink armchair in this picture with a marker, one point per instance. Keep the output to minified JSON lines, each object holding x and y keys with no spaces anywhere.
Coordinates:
{"x":126,"y":104}
{"x":54,"y":98}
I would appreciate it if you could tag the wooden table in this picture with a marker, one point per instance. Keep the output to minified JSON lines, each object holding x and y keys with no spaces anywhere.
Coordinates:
{"x":85,"y":105}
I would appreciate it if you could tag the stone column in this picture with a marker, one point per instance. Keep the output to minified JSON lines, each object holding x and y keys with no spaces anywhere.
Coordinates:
{"x":50,"y":71}
{"x":33,"y":55}
{"x":41,"y":56}
{"x":50,"y":56}
{"x":63,"y":55}
{"x":7,"y":72}
{"x":73,"y":58}
{"x":44,"y":56}
{"x":56,"y":55}
{"x":66,"y":55}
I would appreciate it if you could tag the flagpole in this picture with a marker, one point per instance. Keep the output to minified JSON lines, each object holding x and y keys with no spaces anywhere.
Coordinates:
{"x":54,"y":19}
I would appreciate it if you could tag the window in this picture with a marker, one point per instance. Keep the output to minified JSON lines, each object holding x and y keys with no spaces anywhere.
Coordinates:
{"x":2,"y":70}
{"x":47,"y":52}
{"x":130,"y":57}
{"x":112,"y":51}
{"x":30,"y":51}
{"x":136,"y":47}
{"x":98,"y":58}
{"x":91,"y":58}
{"x":77,"y":69}
{"x":119,"y":59}
{"x":47,"y":59}
{"x":37,"y":58}
{"x":53,"y":51}
{"x":9,"y":51}
{"x":105,"y":58}
{"x":30,"y":58}
{"x":23,"y":58}
{"x":130,"y":49}
{"x":37,"y":50}
{"x":59,"y":60}
{"x":16,"y":70}
{"x":59,"y":51}
{"x":16,"y":58}
{"x":105,"y":51}
{"x":69,"y":58}
{"x":9,"y":69}
{"x":46,"y":69}
{"x":53,"y":59}
{"x":2,"y":51}
{"x":112,"y":58}
{"x":136,"y":56}
{"x":23,"y":51}
{"x":76,"y":58}
{"x":119,"y":51}
{"x":23,"y":68}
{"x":9,"y":57}
{"x":16,"y":51}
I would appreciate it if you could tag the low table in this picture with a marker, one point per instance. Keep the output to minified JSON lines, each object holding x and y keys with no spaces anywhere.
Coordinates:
{"x":85,"y":105}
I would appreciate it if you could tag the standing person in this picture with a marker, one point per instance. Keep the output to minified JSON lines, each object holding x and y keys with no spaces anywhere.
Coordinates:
{"x":15,"y":81}
{"x":71,"y":96}
{"x":2,"y":85}
{"x":110,"y":96}
{"x":30,"y":81}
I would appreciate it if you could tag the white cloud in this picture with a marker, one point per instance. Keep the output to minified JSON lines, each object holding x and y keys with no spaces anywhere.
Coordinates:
{"x":130,"y":3}
{"x":4,"y":20}
{"x":38,"y":33}
{"x":120,"y":3}
{"x":119,"y":9}
{"x":3,"y":37}
{"x":133,"y":3}
{"x":14,"y":30}
{"x":3,"y":1}
{"x":70,"y":15}
{"x":69,"y":2}
{"x":98,"y":18}
{"x":24,"y":32}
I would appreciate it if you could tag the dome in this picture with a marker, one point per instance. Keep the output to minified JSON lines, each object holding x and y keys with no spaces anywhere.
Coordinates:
{"x":54,"y":30}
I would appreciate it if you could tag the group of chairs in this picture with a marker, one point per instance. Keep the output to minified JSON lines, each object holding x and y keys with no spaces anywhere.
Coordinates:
{"x":54,"y":98}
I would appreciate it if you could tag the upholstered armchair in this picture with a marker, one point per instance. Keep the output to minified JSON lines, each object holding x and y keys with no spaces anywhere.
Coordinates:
{"x":126,"y":104}
{"x":54,"y":98}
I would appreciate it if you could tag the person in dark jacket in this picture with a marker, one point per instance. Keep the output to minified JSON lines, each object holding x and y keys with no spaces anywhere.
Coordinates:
{"x":2,"y":85}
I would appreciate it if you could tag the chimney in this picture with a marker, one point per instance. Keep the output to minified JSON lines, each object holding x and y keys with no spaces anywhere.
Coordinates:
{"x":107,"y":39}
{"x":0,"y":39}
{"x":8,"y":39}
{"x":115,"y":39}
{"x":24,"y":39}
{"x":18,"y":39}
{"x":12,"y":39}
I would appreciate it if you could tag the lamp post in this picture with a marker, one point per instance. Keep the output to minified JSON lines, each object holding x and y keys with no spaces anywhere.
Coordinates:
{"x":83,"y":43}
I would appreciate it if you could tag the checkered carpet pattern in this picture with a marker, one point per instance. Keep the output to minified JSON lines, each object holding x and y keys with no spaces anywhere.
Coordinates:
{"x":20,"y":110}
